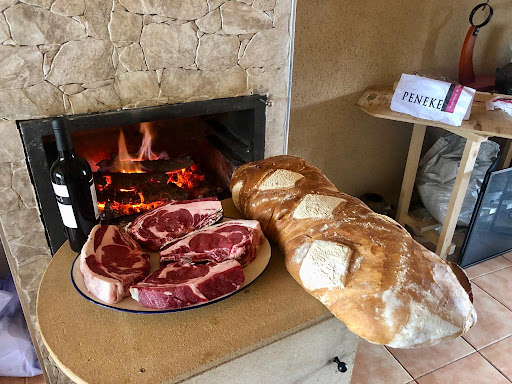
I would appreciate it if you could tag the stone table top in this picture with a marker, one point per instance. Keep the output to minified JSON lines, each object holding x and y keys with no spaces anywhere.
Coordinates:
{"x":92,"y":344}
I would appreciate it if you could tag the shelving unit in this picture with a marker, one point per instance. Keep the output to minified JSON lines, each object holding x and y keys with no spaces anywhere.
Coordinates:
{"x":481,"y":125}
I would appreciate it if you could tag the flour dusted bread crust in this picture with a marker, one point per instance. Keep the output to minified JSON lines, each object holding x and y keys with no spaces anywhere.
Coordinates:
{"x":364,"y":267}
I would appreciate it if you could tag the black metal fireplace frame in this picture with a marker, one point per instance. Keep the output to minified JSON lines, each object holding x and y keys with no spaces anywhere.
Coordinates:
{"x":33,"y":131}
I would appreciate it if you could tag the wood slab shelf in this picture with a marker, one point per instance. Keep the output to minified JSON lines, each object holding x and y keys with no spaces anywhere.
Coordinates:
{"x":271,"y":332}
{"x":481,"y":125}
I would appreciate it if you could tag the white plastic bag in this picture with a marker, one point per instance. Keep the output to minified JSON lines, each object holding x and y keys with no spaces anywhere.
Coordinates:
{"x":17,"y":355}
{"x":437,"y":172}
{"x":432,"y":99}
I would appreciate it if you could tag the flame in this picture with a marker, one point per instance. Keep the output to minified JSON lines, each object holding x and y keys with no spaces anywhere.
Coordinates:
{"x":125,"y":162}
{"x":132,"y":189}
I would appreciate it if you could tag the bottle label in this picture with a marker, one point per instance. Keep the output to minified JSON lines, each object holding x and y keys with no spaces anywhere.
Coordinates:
{"x":94,"y":199}
{"x":64,"y":203}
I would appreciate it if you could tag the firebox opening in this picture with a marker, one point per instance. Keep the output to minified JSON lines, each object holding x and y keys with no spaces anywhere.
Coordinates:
{"x":143,"y":158}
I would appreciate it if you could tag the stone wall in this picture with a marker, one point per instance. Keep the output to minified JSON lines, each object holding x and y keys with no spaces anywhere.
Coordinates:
{"x":79,"y":56}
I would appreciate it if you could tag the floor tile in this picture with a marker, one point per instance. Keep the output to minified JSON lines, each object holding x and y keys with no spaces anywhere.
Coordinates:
{"x":487,"y":267}
{"x":494,"y":321}
{"x":473,"y":369}
{"x":420,"y":361}
{"x":35,"y":380}
{"x":12,"y":380}
{"x":499,"y":355}
{"x":498,"y":284}
{"x":374,"y":364}
{"x":508,"y":256}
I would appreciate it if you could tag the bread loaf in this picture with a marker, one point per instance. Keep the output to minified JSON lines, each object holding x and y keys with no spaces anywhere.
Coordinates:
{"x":364,"y":267}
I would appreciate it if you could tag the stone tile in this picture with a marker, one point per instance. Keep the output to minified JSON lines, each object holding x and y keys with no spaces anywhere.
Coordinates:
{"x":264,"y":5}
{"x":20,"y":222}
{"x":374,"y":364}
{"x":217,"y":52}
{"x":22,"y":184}
{"x":239,"y":18}
{"x":471,"y":369}
{"x":210,"y":23}
{"x":499,"y":355}
{"x":132,"y":58}
{"x":11,"y":148}
{"x":39,"y":100}
{"x":68,"y":7}
{"x":5,"y":175}
{"x":82,"y":61}
{"x":98,"y":84}
{"x":134,"y":6}
{"x":10,"y":200}
{"x":487,"y":267}
{"x":48,"y":59}
{"x":97,"y":16}
{"x":420,"y":361}
{"x":5,"y":33}
{"x":95,"y":100}
{"x":167,"y":45}
{"x":21,"y":67}
{"x":71,"y":89}
{"x":268,"y":80}
{"x":39,"y":3}
{"x":125,"y":27}
{"x":32,"y":272}
{"x":498,"y":284}
{"x":181,"y":10}
{"x":214,"y":4}
{"x":135,"y":86}
{"x":30,"y":246}
{"x":494,"y":321}
{"x":183,"y":85}
{"x":282,"y":13}
{"x":34,"y":25}
{"x":268,"y":48}
{"x":6,"y":4}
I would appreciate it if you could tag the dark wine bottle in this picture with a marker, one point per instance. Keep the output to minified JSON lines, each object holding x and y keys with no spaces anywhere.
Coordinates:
{"x":74,"y":188}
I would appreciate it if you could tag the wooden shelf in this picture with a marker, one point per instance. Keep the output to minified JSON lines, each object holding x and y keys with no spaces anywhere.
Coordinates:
{"x":376,"y":102}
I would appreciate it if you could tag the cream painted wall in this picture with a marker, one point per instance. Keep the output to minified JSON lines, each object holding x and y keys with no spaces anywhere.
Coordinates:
{"x":343,"y":47}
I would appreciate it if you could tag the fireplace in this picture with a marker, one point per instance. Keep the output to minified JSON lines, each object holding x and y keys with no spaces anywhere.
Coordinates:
{"x":143,"y":158}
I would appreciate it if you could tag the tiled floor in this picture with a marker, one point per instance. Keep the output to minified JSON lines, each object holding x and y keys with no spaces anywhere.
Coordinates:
{"x":481,"y":356}
{"x":22,"y":380}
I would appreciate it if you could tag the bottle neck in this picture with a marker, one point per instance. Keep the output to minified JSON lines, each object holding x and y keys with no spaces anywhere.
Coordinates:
{"x":67,"y":154}
{"x":63,"y":139}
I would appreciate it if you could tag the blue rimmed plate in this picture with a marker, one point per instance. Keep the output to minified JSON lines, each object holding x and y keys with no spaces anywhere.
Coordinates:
{"x":251,"y":272}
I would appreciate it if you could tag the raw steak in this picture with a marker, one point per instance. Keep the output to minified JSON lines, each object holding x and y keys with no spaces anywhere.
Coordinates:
{"x":158,"y":227}
{"x":111,"y":261}
{"x":237,"y":240}
{"x":180,"y":285}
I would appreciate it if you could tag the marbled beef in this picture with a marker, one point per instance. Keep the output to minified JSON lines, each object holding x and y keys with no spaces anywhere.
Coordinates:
{"x":232,"y":240}
{"x":158,"y":227}
{"x":111,"y":261}
{"x":179,"y":285}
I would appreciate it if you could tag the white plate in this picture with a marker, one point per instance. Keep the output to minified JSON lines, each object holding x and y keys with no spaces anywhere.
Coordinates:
{"x":251,"y":272}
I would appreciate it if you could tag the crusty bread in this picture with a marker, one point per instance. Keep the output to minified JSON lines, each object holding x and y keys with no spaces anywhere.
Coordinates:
{"x":364,"y":267}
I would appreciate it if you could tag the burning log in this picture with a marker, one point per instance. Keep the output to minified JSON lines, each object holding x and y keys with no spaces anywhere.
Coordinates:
{"x":113,"y":165}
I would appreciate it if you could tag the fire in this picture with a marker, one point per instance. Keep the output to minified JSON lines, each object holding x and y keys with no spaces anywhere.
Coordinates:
{"x":185,"y":178}
{"x":125,"y":162}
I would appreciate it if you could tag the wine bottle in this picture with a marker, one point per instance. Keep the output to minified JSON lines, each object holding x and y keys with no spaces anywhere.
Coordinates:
{"x":74,"y":188}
